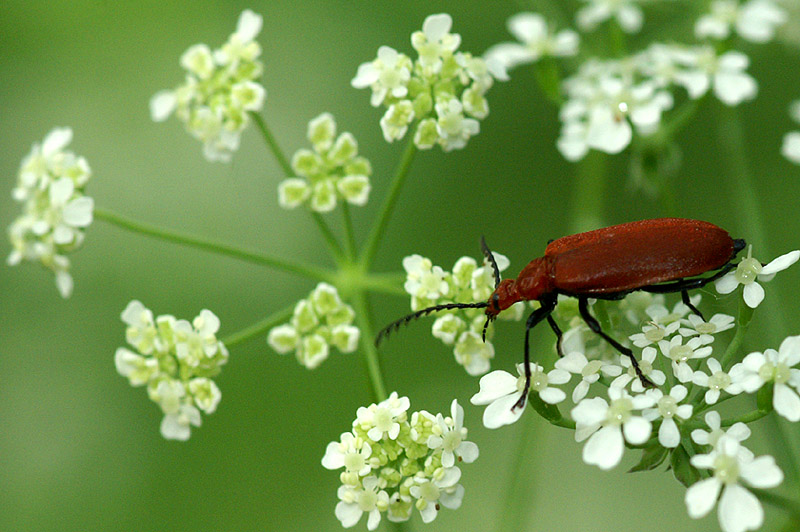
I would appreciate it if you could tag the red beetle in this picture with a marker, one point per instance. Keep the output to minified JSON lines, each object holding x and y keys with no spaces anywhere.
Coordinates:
{"x":663,"y":255}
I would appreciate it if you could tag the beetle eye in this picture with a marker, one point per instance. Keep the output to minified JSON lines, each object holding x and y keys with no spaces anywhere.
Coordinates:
{"x":496,"y":301}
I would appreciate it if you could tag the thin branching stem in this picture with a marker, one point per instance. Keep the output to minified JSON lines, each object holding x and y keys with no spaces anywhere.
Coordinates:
{"x":258,"y":328}
{"x":368,"y":350}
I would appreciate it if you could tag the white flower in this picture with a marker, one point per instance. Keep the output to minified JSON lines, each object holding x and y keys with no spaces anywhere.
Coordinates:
{"x":473,"y":353}
{"x":383,"y":418}
{"x":777,"y":366}
{"x":388,"y":75}
{"x":141,"y":330}
{"x":681,"y":353}
{"x":349,"y":452}
{"x":628,"y":15}
{"x":698,"y":326}
{"x":605,"y":425}
{"x":423,"y":279}
{"x":368,"y":498}
{"x":537,"y":41}
{"x":652,"y":333}
{"x":442,"y":488}
{"x":205,"y":393}
{"x":717,"y":381}
{"x":576,"y":362}
{"x":791,"y":146}
{"x":667,"y":408}
{"x":645,"y":366}
{"x":754,"y":21}
{"x":501,"y":391}
{"x":749,"y":271}
{"x":739,"y":510}
{"x":138,"y":369}
{"x":435,"y":41}
{"x":454,"y":128}
{"x":450,"y":436}
{"x":738,"y":431}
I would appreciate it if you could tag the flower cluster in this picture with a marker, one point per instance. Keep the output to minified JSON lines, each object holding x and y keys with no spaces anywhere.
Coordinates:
{"x":537,"y":41}
{"x":443,"y":90}
{"x":394,"y":462}
{"x":626,"y":13}
{"x":791,"y":141}
{"x":675,"y":349}
{"x":219,"y":90}
{"x":332,"y":171}
{"x":50,"y":185}
{"x":607,"y":99}
{"x":176,"y":360}
{"x":319,"y":322}
{"x":430,"y":285}
{"x":754,"y":20}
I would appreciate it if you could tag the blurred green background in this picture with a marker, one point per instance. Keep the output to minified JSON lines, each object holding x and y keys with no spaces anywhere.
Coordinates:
{"x":80,"y":448}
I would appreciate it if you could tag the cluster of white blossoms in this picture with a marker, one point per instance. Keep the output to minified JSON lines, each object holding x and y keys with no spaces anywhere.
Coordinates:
{"x":443,"y":90}
{"x":607,"y":99}
{"x":319,"y":322}
{"x":332,"y":171}
{"x":678,"y":351}
{"x":176,"y":359}
{"x":56,"y":211}
{"x":219,"y":90}
{"x":468,"y":282}
{"x":394,"y":463}
{"x":536,"y":42}
{"x":791,"y":141}
{"x":626,"y":13}
{"x":754,"y":20}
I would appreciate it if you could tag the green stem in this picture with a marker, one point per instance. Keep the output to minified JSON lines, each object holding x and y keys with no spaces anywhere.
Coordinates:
{"x":779,"y":501}
{"x":370,"y":353}
{"x":518,"y":486}
{"x":272,"y":143}
{"x":749,"y":417}
{"x":299,"y":268}
{"x":745,"y":317}
{"x":386,"y":283}
{"x":328,"y":236}
{"x":378,"y":230}
{"x":349,"y":238}
{"x":258,"y":328}
{"x":587,"y":206}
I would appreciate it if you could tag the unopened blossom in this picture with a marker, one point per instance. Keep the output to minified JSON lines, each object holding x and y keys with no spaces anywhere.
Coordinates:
{"x":627,"y":14}
{"x":56,"y":211}
{"x":219,"y":90}
{"x":439,"y":96}
{"x":681,"y":353}
{"x":176,"y":359}
{"x":739,"y":510}
{"x":667,"y":408}
{"x":754,"y":20}
{"x":537,"y":40}
{"x":318,"y":323}
{"x":756,"y":369}
{"x":607,"y":425}
{"x":502,"y":390}
{"x":716,"y":381}
{"x":330,"y":173}
{"x":749,"y":271}
{"x":590,"y":371}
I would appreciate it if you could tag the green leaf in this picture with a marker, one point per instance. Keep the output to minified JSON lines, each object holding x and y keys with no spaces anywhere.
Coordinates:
{"x":764,"y":397}
{"x":549,"y":412}
{"x":681,"y":468}
{"x":653,"y":455}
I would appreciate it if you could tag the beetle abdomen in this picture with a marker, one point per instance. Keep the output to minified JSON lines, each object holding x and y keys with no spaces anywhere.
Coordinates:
{"x":629,"y":256}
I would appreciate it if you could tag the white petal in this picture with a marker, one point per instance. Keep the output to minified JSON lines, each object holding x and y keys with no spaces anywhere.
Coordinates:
{"x":333,"y":458}
{"x":790,"y":350}
{"x":249,"y":25}
{"x":701,"y":497}
{"x":606,"y":133}
{"x":786,"y":402}
{"x":64,"y":284}
{"x":56,"y":140}
{"x":637,"y":430}
{"x":573,"y":362}
{"x":733,"y":88}
{"x":762,"y":472}
{"x":468,"y":451}
{"x":739,"y":510}
{"x":171,"y":429}
{"x":668,"y":434}
{"x":436,"y":26}
{"x":781,"y":263}
{"x":78,"y":212}
{"x":726,"y":284}
{"x":590,"y":411}
{"x":61,"y":190}
{"x":499,"y":413}
{"x":552,"y":395}
{"x":162,"y":104}
{"x":348,"y":513}
{"x":753,"y":294}
{"x":374,"y":519}
{"x":604,"y":448}
{"x":739,"y":431}
{"x":494,"y":386}
{"x":791,"y":146}
{"x":528,"y":27}
{"x":453,"y":499}
{"x":558,"y":376}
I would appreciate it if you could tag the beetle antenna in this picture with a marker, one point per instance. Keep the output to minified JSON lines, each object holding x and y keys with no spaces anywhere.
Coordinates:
{"x":490,"y":258}
{"x":486,"y":326}
{"x":405,"y":320}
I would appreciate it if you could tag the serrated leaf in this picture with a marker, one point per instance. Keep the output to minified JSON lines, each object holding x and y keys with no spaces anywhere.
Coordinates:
{"x":652,"y":456}
{"x":547,"y":411}
{"x":683,"y":470}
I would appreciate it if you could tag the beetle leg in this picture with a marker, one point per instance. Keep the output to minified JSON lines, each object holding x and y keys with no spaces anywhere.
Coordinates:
{"x":686,"y":284}
{"x":594,"y":325}
{"x":536,"y":316}
{"x":688,"y":303}
{"x":559,"y":335}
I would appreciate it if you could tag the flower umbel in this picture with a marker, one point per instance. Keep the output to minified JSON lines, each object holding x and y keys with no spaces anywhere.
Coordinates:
{"x":220,"y":89}
{"x":50,"y":185}
{"x":176,"y":360}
